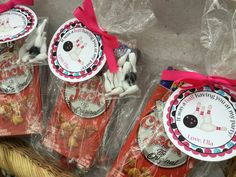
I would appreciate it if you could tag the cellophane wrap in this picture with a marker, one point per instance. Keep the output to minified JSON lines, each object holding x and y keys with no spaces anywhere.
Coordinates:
{"x":77,"y":118}
{"x":125,"y":83}
{"x":21,"y":87}
{"x":32,"y":49}
{"x":79,"y":113}
{"x":126,"y":19}
{"x":20,"y":95}
{"x":218,"y":37}
{"x":124,"y":152}
{"x":136,"y":141}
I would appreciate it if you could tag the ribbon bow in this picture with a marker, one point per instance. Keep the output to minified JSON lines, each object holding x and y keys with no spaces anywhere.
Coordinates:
{"x":87,"y":16}
{"x":12,"y":3}
{"x":197,"y":80}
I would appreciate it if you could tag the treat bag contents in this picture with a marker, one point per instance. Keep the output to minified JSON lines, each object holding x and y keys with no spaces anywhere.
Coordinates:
{"x":20,"y":97}
{"x":123,"y":83}
{"x":21,"y":34}
{"x":147,"y":150}
{"x":78,"y":121}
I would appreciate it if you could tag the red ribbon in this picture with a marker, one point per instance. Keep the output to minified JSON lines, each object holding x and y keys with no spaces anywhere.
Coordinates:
{"x":197,"y":80}
{"x":87,"y":16}
{"x":12,"y":3}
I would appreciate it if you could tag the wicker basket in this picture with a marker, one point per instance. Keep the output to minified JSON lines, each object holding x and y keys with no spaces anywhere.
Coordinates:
{"x":19,"y":159}
{"x":231,"y":170}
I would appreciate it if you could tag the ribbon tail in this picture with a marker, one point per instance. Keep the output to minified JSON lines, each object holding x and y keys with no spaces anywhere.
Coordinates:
{"x":6,"y":6}
{"x":10,"y":4}
{"x":86,"y":15}
{"x":27,"y":2}
{"x":88,"y":7}
{"x":111,"y":60}
{"x":23,"y":2}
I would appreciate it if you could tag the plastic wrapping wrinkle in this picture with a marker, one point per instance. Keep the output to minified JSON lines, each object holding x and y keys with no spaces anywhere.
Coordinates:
{"x":21,"y":112}
{"x":169,"y":42}
{"x":78,"y":121}
{"x":147,"y":150}
{"x":218,"y":37}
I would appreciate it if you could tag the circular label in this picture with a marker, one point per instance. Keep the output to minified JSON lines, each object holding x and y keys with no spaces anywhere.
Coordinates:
{"x":155,"y":145}
{"x":20,"y":78}
{"x":16,"y":23}
{"x":86,"y":99}
{"x":194,"y":118}
{"x":75,"y":53}
{"x":13,"y":78}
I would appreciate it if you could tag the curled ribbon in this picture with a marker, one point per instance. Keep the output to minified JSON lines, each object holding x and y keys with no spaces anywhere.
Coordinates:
{"x":12,"y":3}
{"x":87,"y":16}
{"x":197,"y":80}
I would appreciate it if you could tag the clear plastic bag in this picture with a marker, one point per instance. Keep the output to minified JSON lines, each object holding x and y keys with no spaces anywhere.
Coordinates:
{"x":137,"y":156}
{"x":78,"y":113}
{"x":123,"y":84}
{"x":218,"y":37}
{"x":124,"y":17}
{"x":33,"y":48}
{"x":21,"y":111}
{"x":78,"y":120}
{"x":21,"y":103}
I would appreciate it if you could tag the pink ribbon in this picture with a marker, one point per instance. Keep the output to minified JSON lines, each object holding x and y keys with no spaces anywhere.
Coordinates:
{"x":12,"y":3}
{"x":87,"y":16}
{"x":197,"y":80}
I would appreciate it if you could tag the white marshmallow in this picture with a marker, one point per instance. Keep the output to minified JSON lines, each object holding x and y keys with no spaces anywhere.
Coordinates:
{"x":43,"y":48}
{"x":116,"y":81}
{"x":22,"y":52}
{"x":41,"y":27}
{"x":30,"y":42}
{"x":107,"y":84}
{"x":133,"y":60}
{"x":122,"y":59}
{"x":116,"y":91}
{"x":110,"y":77}
{"x":39,"y":40}
{"x":119,"y":76}
{"x":126,"y":68}
{"x":26,"y":57}
{"x":39,"y":57}
{"x":131,"y":90}
{"x":125,"y":85}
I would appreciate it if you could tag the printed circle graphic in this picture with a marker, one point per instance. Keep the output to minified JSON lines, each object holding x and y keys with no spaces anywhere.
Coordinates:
{"x":190,"y":121}
{"x":75,"y":52}
{"x":86,"y":99}
{"x":17,"y":23}
{"x":201,"y":115}
{"x":156,"y":146}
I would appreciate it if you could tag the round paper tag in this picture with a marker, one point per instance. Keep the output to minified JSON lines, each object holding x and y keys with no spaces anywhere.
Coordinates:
{"x":202,"y":122}
{"x":13,"y":78}
{"x":75,"y":53}
{"x":16,"y":23}
{"x":155,"y":145}
{"x":86,"y":99}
